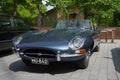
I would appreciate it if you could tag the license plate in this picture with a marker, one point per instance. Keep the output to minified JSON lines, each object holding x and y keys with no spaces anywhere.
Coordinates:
{"x":41,"y":61}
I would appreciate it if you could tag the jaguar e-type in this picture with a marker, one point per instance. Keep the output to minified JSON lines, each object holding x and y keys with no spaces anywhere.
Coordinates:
{"x":69,"y":40}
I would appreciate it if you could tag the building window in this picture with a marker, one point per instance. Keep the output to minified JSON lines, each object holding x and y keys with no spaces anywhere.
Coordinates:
{"x":72,"y":16}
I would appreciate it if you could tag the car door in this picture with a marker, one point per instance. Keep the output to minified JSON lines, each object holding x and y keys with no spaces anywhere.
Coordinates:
{"x":5,"y":32}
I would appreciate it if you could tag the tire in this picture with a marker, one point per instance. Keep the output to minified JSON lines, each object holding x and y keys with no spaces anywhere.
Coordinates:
{"x":83,"y":63}
{"x":96,"y":49}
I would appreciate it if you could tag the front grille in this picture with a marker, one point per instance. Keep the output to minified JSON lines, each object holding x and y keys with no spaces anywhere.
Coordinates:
{"x":40,"y":53}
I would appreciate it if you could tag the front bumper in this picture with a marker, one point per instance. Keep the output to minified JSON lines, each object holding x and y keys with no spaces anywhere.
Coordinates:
{"x":58,"y":58}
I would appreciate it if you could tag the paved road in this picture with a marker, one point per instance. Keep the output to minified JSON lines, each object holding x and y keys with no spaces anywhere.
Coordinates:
{"x":104,"y":65}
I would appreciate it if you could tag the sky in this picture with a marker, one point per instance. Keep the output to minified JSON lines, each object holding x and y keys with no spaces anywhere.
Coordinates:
{"x":48,"y":7}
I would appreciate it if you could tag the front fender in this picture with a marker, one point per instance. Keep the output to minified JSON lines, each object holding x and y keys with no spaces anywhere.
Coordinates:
{"x":88,"y":44}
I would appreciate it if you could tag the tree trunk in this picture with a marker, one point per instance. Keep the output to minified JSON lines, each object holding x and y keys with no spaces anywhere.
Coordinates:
{"x":85,"y":13}
{"x":39,"y":17}
{"x":97,"y":20}
{"x":39,"y":20}
{"x":15,"y":5}
{"x":14,"y":11}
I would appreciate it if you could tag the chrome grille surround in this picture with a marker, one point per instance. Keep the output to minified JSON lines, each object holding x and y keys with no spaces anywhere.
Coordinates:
{"x":40,"y":53}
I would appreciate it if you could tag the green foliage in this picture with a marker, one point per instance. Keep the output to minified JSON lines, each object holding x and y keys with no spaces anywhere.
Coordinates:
{"x":5,"y":6}
{"x":105,"y":9}
{"x":23,"y":11}
{"x":29,"y":9}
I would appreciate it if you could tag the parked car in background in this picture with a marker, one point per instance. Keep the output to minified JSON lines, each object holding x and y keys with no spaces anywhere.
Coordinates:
{"x":11,"y":26}
{"x":69,"y":40}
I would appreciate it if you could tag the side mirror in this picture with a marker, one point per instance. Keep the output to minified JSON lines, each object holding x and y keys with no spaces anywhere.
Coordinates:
{"x":5,"y":24}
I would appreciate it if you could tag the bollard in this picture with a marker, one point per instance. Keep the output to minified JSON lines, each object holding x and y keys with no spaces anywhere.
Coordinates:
{"x":113,"y":35}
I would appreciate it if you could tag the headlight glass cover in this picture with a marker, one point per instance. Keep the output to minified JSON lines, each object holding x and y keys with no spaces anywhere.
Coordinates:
{"x":17,"y":40}
{"x":76,"y":43}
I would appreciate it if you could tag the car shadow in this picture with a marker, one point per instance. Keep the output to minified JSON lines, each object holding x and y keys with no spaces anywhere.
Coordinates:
{"x":56,"y":68}
{"x":116,"y":58}
{"x":5,"y":53}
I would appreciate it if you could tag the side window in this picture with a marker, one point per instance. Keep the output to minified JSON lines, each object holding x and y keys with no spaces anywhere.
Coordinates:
{"x":5,"y":23}
{"x":19,"y":22}
{"x":5,"y":28}
{"x":20,"y":25}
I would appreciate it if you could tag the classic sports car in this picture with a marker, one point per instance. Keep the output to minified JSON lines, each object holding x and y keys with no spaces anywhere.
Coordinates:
{"x":69,"y":40}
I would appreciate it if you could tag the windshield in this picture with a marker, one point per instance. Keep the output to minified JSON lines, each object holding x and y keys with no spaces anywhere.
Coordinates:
{"x":73,"y":24}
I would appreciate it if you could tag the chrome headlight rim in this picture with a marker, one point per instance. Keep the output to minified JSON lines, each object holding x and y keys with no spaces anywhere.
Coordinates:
{"x":17,"y":40}
{"x":76,"y":43}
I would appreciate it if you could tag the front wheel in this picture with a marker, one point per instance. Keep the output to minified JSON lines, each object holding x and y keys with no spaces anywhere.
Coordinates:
{"x":83,"y":63}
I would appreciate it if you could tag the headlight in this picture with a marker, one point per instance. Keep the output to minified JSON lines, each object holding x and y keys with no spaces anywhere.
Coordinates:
{"x":76,"y":43}
{"x":17,"y":40}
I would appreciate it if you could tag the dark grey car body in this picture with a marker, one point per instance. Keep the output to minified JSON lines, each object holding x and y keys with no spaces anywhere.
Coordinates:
{"x":54,"y":45}
{"x":10,"y":26}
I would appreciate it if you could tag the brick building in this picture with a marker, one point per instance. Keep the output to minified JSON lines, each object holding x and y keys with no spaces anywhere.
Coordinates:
{"x":55,"y":14}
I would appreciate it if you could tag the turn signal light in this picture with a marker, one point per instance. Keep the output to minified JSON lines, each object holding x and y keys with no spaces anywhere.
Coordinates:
{"x":81,"y":51}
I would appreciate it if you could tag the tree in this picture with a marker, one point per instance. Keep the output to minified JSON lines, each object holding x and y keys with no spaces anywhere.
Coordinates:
{"x":29,"y":8}
{"x":105,"y":9}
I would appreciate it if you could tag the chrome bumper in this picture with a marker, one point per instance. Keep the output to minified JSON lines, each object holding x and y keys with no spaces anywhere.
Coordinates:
{"x":59,"y":56}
